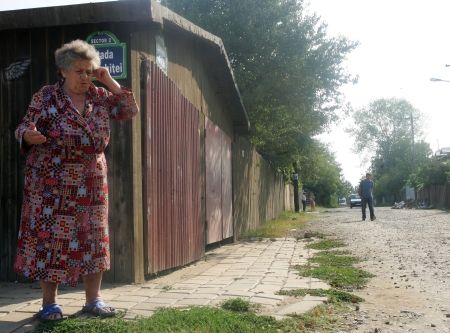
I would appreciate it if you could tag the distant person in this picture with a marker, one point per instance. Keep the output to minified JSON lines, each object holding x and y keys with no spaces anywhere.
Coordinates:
{"x":312,"y":201}
{"x":366,"y":194}
{"x":304,"y":201}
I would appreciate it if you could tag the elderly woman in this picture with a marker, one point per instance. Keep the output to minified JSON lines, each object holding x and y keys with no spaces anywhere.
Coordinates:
{"x":64,"y":222}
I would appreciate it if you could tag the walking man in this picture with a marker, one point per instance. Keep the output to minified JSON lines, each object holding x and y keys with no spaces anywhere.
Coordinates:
{"x":366,"y":194}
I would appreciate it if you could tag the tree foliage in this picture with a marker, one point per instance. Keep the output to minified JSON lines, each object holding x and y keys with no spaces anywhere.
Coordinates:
{"x":433,"y":172}
{"x":390,"y":131}
{"x":287,"y":68}
{"x":322,"y":175}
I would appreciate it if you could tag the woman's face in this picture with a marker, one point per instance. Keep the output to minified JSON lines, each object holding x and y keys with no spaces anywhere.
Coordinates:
{"x":78,"y":76}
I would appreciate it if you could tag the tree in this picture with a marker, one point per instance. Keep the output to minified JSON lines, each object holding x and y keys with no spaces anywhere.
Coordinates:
{"x":345,"y":189}
{"x":286,"y":67}
{"x":433,"y":172}
{"x":389,"y":131}
{"x":321,"y":174}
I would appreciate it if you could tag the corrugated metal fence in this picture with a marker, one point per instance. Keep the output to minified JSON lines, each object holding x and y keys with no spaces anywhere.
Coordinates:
{"x":172,"y":169}
{"x":258,"y":190}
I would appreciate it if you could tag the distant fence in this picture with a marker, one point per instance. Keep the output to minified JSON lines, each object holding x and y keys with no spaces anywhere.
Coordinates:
{"x":258,"y":191}
{"x":437,"y":195}
{"x":289,"y":197}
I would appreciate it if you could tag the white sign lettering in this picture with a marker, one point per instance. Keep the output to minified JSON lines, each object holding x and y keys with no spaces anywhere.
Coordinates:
{"x":106,"y":54}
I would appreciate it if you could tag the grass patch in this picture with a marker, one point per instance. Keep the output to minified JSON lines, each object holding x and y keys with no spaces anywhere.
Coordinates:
{"x":327,"y":259}
{"x":339,"y":277}
{"x":334,"y":267}
{"x":195,"y":319}
{"x":334,"y":295}
{"x":279,"y":227}
{"x":326,"y":244}
{"x":206,"y":319}
{"x":113,"y":325}
{"x":335,"y":252}
{"x":323,"y":318}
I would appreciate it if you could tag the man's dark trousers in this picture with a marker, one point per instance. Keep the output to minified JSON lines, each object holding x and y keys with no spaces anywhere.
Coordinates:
{"x":364,"y":202}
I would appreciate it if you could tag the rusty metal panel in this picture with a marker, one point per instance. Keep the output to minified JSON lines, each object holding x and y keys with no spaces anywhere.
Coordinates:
{"x":175,"y":232}
{"x":213,"y":152}
{"x":227,"y":195}
{"x":219,"y":196}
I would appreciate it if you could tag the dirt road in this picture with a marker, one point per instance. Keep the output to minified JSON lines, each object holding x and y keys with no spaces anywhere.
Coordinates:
{"x":409,"y":252}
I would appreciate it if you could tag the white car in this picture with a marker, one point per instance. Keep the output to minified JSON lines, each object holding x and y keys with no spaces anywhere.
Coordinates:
{"x":355,"y":200}
{"x":342,"y":202}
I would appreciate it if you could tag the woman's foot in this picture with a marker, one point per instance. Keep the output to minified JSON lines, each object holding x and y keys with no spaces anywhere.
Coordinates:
{"x":99,"y":308}
{"x":50,"y":312}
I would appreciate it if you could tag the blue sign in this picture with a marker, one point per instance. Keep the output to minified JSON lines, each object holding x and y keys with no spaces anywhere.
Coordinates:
{"x":112,"y":53}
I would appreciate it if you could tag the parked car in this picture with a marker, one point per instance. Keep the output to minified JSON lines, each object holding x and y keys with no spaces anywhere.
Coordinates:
{"x":355,"y":200}
{"x":342,"y":202}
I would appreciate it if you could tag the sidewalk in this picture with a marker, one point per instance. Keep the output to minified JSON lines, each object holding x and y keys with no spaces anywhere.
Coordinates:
{"x":251,"y":270}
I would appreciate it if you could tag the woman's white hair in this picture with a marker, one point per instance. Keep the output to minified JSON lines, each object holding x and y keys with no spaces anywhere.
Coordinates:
{"x":76,"y":50}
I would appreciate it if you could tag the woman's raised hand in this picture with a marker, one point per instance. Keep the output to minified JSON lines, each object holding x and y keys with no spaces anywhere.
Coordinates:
{"x":103,"y":76}
{"x":33,"y":136}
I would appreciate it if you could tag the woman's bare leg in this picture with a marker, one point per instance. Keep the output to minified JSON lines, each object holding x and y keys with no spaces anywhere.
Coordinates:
{"x":92,"y":284}
{"x":49,"y":293}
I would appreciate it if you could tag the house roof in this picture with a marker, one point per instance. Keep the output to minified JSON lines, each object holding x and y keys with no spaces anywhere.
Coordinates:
{"x":443,"y":153}
{"x":139,"y":11}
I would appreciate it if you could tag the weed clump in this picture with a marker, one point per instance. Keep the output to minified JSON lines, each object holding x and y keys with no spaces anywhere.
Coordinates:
{"x":238,"y":305}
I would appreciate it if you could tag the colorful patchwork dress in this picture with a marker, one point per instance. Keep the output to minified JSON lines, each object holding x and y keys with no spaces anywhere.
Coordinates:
{"x":64,"y":222}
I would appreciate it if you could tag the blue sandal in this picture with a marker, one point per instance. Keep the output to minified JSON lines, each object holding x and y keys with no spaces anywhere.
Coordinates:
{"x":45,"y":313}
{"x":99,"y":308}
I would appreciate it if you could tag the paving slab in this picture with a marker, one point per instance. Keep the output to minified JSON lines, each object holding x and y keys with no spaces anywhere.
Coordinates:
{"x":14,"y":320}
{"x":194,"y":301}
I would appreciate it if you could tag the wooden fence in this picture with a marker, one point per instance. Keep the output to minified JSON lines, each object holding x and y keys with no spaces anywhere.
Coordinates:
{"x":258,"y":191}
{"x":437,"y":196}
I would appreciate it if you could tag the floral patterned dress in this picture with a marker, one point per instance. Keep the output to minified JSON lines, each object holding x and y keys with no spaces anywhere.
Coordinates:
{"x":64,"y":220}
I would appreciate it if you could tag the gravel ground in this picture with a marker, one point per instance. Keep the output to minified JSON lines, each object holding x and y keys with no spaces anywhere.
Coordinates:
{"x":408,"y":251}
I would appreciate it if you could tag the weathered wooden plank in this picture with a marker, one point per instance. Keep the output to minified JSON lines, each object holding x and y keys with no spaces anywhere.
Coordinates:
{"x":137,"y":67}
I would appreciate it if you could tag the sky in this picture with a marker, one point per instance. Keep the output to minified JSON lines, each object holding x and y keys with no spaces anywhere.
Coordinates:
{"x":402,"y":44}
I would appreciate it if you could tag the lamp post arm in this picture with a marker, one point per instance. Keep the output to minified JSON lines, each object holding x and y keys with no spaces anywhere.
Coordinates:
{"x":434,"y":79}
